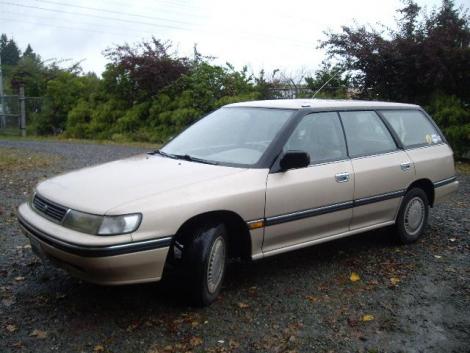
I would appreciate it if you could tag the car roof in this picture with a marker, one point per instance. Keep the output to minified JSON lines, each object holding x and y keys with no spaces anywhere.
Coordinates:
{"x":321,"y":104}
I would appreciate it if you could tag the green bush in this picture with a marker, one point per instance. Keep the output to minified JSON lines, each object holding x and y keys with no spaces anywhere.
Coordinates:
{"x":453,"y":117}
{"x":78,"y":120}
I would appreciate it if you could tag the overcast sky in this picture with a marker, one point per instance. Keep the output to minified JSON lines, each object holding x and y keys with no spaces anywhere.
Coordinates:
{"x":260,"y":34}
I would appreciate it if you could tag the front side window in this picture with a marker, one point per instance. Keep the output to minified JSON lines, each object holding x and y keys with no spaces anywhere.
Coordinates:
{"x":366,"y":134}
{"x":230,"y":135}
{"x":321,"y":136}
{"x":412,"y":127}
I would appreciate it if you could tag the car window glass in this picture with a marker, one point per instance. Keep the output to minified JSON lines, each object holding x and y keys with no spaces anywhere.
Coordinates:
{"x":412,"y":127}
{"x":321,"y":136}
{"x":366,"y":134}
{"x":230,"y":135}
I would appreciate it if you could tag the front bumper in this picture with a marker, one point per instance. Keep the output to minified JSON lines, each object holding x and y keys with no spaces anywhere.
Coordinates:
{"x":101,"y":263}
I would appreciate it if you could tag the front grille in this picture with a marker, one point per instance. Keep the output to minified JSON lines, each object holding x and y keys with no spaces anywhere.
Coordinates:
{"x":49,"y":209}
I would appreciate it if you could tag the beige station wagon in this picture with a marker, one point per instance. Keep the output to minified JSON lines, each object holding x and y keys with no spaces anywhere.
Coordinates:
{"x":249,"y":180}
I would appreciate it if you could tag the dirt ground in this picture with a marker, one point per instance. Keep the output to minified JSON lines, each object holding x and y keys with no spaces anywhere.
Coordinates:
{"x":360,"y":294}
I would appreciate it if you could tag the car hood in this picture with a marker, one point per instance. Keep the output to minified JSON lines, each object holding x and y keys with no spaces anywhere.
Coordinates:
{"x":100,"y":188}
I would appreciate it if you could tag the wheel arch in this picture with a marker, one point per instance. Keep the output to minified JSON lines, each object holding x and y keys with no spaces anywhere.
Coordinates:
{"x":237,"y":230}
{"x":427,"y":186}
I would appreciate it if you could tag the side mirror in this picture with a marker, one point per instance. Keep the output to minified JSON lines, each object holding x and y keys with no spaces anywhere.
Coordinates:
{"x":294,"y":160}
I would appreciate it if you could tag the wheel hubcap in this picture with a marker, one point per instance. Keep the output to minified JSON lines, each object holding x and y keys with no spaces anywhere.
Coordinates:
{"x":216,"y":264}
{"x":414,"y":215}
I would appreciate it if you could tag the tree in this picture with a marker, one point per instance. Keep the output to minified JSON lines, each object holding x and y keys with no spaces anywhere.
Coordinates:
{"x":139,"y":72}
{"x":62,"y":94}
{"x":331,"y":80}
{"x":422,"y":61}
{"x":9,"y":51}
{"x":29,"y":53}
{"x":30,"y":73}
{"x":410,"y":63}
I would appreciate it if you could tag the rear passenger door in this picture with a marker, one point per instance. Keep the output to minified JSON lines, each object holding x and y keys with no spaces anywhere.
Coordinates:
{"x":382,"y":171}
{"x":309,"y":203}
{"x":424,"y":144}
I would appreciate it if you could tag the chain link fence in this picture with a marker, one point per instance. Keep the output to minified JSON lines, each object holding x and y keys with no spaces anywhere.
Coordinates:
{"x":11,"y":113}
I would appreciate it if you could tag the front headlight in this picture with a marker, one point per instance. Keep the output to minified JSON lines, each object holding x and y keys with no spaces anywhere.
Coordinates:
{"x":101,"y":225}
{"x":119,"y":224}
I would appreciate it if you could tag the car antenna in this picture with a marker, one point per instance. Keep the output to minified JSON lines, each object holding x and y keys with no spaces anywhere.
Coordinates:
{"x":332,"y":77}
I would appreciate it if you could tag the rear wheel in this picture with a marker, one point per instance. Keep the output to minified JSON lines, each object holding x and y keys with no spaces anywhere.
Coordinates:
{"x":205,"y":257}
{"x":413,"y":216}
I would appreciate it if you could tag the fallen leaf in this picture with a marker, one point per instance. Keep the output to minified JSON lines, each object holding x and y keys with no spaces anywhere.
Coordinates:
{"x":11,"y":328}
{"x":367,"y":317}
{"x":18,"y":344}
{"x":233,"y":344}
{"x":394,"y":281}
{"x":243,"y":305}
{"x":352,"y":322}
{"x":8,"y":301}
{"x":38,"y":334}
{"x":354,"y":277}
{"x":195,"y":341}
{"x":311,"y":298}
{"x":98,"y":348}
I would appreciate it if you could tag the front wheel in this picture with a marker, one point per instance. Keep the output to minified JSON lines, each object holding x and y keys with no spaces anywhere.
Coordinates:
{"x":413,"y":216}
{"x":206,"y":258}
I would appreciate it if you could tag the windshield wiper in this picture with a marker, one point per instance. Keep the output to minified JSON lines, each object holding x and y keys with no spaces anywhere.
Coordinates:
{"x":187,"y":157}
{"x":164,"y":154}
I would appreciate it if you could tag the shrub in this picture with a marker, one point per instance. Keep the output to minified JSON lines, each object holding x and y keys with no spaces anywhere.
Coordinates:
{"x":453,"y":117}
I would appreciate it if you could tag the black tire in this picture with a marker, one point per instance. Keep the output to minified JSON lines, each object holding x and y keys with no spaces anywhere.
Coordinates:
{"x":198,"y":256}
{"x":408,"y":231}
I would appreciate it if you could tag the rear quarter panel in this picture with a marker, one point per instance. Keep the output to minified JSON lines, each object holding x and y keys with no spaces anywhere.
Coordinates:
{"x":435,"y":162}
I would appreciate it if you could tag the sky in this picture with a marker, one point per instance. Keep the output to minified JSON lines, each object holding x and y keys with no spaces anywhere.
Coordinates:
{"x":257,"y":33}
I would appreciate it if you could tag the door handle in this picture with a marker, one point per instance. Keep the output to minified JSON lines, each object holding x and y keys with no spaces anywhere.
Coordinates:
{"x":405,"y":166}
{"x":342,"y":177}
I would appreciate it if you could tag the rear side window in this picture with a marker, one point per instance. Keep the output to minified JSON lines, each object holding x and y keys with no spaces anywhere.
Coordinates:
{"x":321,"y":136}
{"x":366,"y":133}
{"x":412,"y":127}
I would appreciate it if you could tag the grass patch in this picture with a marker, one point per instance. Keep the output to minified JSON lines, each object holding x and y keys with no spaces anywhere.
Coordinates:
{"x":463,"y":167}
{"x":12,"y":159}
{"x":59,"y":138}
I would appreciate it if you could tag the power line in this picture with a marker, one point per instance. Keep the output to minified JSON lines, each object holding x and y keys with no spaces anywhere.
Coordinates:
{"x":61,"y":27}
{"x":114,"y":12}
{"x":35,"y":17}
{"x":95,"y":16}
{"x":246,"y":35}
{"x":167,"y":4}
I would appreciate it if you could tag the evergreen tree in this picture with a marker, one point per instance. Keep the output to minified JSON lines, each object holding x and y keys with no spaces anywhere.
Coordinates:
{"x":9,"y":51}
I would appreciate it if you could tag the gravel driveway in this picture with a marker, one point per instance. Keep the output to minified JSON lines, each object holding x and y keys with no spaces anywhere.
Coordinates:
{"x":413,"y":298}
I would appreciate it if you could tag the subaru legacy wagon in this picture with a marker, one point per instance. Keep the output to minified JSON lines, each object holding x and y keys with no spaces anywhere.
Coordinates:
{"x":247,"y":181}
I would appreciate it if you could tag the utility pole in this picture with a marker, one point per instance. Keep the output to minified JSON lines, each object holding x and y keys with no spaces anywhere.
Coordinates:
{"x":2,"y":98}
{"x":22,"y":111}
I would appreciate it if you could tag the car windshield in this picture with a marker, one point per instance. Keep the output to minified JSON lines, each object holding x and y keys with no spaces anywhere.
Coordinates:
{"x":234,"y":135}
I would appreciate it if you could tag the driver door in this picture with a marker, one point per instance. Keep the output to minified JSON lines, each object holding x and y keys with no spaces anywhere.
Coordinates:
{"x":309,"y":203}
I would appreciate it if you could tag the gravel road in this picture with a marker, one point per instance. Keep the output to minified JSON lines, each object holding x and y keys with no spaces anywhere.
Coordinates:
{"x":413,"y":298}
